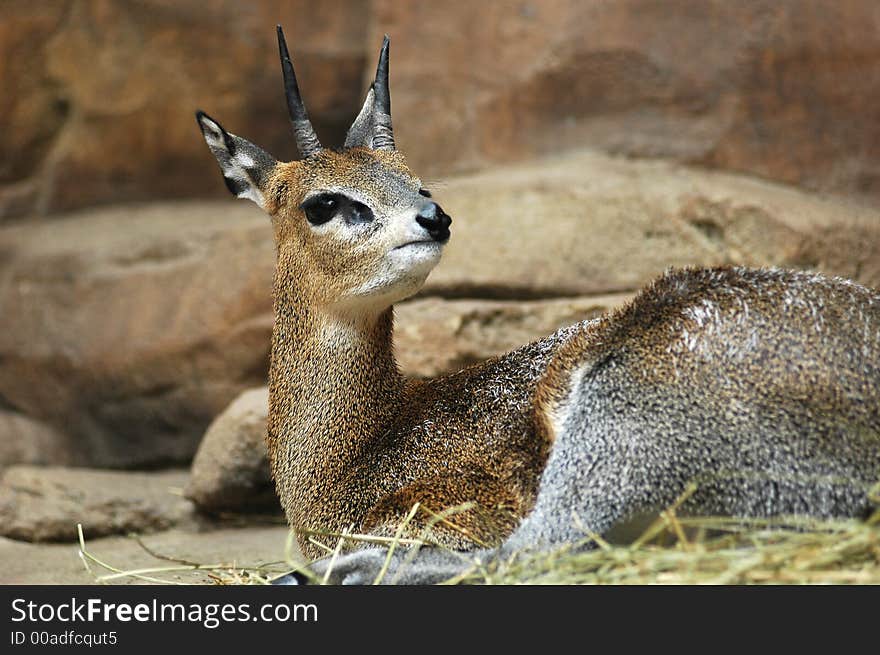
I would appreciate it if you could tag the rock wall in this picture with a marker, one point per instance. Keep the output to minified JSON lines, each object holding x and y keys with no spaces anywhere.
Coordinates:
{"x":103,"y":92}
{"x":783,"y":89}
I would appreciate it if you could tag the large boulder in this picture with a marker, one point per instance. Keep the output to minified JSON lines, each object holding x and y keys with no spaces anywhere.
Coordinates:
{"x":47,"y":503}
{"x":231,"y":468}
{"x":130,"y":329}
{"x":585,"y":223}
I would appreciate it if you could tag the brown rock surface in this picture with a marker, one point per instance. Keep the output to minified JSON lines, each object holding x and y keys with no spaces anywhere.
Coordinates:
{"x":434,"y":336}
{"x":130,"y":329}
{"x":231,"y":469}
{"x":785,"y":89}
{"x":46,"y":503}
{"x":26,"y":441}
{"x":105,"y":92}
{"x":585,"y":223}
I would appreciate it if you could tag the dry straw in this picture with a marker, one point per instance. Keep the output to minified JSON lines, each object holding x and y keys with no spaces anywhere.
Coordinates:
{"x":673,"y":550}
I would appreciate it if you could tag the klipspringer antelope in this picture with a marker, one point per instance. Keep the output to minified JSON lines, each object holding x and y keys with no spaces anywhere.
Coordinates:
{"x":761,"y":384}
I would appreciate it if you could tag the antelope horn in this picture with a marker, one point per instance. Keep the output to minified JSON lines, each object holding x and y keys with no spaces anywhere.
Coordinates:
{"x":383,"y":134}
{"x":306,"y":139}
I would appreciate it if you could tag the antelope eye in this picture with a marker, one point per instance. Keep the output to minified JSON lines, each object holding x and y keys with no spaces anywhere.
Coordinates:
{"x":360,"y":213}
{"x":425,"y":192}
{"x":321,"y":209}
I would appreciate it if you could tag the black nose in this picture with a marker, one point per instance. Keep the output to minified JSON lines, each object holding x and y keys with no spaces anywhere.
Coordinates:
{"x":432,"y":217}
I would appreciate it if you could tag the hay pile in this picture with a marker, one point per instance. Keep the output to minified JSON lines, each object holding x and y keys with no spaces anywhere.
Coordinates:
{"x":739,"y":552}
{"x":673,"y":550}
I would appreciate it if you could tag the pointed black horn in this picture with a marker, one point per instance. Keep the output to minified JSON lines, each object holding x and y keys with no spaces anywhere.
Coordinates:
{"x":306,"y":139}
{"x":383,"y":134}
{"x":383,"y":97}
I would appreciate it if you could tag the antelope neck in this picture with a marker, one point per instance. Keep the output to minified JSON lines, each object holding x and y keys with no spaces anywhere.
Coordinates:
{"x":334,"y":388}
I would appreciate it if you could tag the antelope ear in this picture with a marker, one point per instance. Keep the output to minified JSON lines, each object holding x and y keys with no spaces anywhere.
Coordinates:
{"x":246,"y":168}
{"x":361,"y":131}
{"x":372,"y":127}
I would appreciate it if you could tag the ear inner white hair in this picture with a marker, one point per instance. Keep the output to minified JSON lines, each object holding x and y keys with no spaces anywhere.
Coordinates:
{"x":245,"y":167}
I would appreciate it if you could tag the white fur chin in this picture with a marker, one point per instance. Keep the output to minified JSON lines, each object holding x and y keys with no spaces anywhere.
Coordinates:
{"x":416,"y":258}
{"x":403,"y":274}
